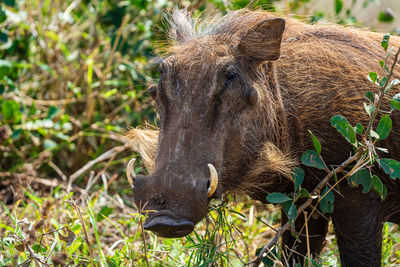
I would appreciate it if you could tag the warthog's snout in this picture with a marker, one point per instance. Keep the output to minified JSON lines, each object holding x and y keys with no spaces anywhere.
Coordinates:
{"x":166,"y":226}
{"x":173,"y":204}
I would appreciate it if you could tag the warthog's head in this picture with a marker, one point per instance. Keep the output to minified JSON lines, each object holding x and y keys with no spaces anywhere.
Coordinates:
{"x":220,"y":118}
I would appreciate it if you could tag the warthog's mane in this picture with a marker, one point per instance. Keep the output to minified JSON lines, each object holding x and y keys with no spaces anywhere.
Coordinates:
{"x":184,"y":27}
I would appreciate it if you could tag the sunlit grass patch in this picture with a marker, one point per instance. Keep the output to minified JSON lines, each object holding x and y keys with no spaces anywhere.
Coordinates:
{"x":102,"y":230}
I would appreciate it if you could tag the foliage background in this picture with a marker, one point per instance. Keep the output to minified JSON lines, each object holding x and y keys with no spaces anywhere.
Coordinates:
{"x":73,"y":78}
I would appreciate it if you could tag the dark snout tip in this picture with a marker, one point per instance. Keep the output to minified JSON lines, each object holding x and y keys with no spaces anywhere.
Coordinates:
{"x":165,"y":226}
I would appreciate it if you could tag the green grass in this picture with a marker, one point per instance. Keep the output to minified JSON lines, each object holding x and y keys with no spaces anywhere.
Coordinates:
{"x":103,"y":231}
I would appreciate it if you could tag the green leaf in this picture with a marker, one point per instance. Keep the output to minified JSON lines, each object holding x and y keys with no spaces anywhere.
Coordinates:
{"x":343,"y":126}
{"x":5,"y":67}
{"x":386,"y":16}
{"x":391,"y":167}
{"x":9,"y":2}
{"x":104,"y":212}
{"x":323,"y":206}
{"x":317,"y":144}
{"x":365,"y":181}
{"x":382,"y":82}
{"x":370,"y":96}
{"x":310,"y":158}
{"x":298,"y":177}
{"x":39,"y":249}
{"x":373,"y":76}
{"x":330,"y":196}
{"x":384,"y":127}
{"x":16,"y":134}
{"x":110,"y":93}
{"x":377,"y":185}
{"x":384,"y":66}
{"x":395,"y":101}
{"x":285,"y":206}
{"x":3,"y":15}
{"x":384,"y":192}
{"x":338,"y":6}
{"x":292,"y":212}
{"x":277,"y":198}
{"x":362,"y":177}
{"x":393,"y":83}
{"x":395,"y":104}
{"x":326,"y":202}
{"x":53,"y":111}
{"x":370,"y":109}
{"x":32,"y":195}
{"x":359,"y":129}
{"x":3,"y":38}
{"x":385,"y":41}
{"x":49,"y":144}
{"x":304,"y":193}
{"x":10,"y":111}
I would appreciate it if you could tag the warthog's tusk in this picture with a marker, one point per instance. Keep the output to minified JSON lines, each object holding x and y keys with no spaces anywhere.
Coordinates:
{"x":130,"y":172}
{"x":213,"y":180}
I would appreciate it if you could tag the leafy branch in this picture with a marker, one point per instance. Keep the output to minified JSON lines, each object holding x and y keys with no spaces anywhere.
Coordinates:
{"x":365,"y":155}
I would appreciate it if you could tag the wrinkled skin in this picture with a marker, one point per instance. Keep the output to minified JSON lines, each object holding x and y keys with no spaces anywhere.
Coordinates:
{"x":243,"y":97}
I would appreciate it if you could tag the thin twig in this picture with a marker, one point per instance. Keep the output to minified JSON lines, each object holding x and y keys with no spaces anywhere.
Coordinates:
{"x":57,"y":170}
{"x":380,"y":98}
{"x":144,"y":241}
{"x":307,"y":238}
{"x":52,"y":231}
{"x":87,"y":239}
{"x":270,"y":226}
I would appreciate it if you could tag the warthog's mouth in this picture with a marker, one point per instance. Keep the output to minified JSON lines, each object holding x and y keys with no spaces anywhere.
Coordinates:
{"x":164,"y":225}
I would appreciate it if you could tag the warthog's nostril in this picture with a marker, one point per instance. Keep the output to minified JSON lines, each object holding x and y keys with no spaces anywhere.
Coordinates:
{"x":165,"y":226}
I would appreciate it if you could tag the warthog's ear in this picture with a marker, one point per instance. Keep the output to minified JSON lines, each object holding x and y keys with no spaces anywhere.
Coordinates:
{"x":263,"y":41}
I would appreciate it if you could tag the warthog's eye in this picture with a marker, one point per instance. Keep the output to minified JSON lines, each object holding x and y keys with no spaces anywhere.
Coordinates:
{"x":231,"y":75}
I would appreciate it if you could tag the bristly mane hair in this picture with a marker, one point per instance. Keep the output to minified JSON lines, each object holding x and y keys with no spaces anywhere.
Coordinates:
{"x":183,"y":27}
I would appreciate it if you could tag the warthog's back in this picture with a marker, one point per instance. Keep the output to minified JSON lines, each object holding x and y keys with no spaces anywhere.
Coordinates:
{"x":323,"y":72}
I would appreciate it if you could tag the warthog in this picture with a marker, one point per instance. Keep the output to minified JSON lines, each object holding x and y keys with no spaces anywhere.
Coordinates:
{"x":236,"y":98}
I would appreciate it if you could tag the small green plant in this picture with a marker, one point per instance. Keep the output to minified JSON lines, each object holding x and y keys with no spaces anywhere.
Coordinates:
{"x":216,"y":245}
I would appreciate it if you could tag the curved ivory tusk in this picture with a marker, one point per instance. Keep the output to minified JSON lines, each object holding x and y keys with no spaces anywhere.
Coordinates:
{"x":213,"y":180}
{"x":130,"y":173}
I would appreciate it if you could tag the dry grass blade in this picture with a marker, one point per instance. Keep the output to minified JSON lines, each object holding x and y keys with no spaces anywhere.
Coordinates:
{"x":109,"y":154}
{"x":307,"y":238}
{"x":87,"y":238}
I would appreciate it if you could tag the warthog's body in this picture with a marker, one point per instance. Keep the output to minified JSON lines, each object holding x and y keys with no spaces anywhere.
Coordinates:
{"x":225,"y":98}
